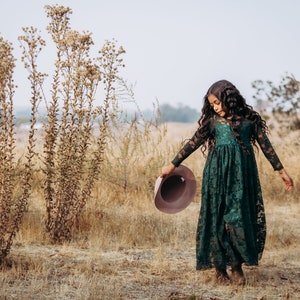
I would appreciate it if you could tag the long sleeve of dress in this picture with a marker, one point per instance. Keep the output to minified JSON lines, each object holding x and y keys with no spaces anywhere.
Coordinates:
{"x":268,"y":149}
{"x":193,"y":144}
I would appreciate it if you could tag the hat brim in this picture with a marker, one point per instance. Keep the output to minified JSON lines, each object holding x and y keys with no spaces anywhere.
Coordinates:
{"x":175,"y":192}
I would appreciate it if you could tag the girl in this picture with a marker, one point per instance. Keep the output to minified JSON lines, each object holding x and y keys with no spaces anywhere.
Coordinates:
{"x":231,"y":228}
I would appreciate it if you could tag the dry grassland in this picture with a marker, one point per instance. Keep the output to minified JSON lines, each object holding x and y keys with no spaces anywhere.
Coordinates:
{"x":126,"y":249}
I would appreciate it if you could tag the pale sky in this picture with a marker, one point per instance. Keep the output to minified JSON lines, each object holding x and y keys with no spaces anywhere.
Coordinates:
{"x":175,"y":49}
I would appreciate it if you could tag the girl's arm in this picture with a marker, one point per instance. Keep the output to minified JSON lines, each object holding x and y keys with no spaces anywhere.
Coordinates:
{"x":268,"y":150}
{"x":289,"y":184}
{"x":167,"y":170}
{"x":272,"y":157}
{"x":194,"y":143}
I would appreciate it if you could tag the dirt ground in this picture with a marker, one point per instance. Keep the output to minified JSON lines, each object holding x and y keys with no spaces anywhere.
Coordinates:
{"x":50,"y":272}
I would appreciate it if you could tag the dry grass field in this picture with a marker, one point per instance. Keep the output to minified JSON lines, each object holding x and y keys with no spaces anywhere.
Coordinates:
{"x":126,"y":249}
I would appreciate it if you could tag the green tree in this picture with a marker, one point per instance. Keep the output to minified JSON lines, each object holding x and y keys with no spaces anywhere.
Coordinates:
{"x":284,"y":99}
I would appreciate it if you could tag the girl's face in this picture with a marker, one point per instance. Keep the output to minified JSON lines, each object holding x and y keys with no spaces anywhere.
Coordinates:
{"x":217,"y":105}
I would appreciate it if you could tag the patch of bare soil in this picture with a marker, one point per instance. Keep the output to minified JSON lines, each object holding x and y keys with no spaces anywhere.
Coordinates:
{"x":52,"y":272}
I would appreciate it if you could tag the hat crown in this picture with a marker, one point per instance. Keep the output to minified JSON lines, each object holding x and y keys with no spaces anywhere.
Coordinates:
{"x":176,"y":191}
{"x":173,"y":188}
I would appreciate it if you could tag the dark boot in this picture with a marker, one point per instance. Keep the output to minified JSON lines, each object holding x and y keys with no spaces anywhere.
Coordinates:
{"x":237,"y":273}
{"x":221,"y":274}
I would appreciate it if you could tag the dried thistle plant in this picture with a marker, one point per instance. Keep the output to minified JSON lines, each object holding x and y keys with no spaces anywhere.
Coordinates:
{"x":12,"y":206}
{"x":71,"y":163}
{"x":7,"y":144}
{"x":31,"y":44}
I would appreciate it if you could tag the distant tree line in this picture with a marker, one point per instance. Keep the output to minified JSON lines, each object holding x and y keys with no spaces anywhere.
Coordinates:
{"x":281,"y":99}
{"x":181,"y":113}
{"x":168,"y":113}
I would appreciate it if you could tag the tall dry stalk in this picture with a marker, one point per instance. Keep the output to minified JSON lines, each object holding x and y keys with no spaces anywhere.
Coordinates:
{"x":13,"y":205}
{"x":7,"y":142}
{"x":31,"y":44}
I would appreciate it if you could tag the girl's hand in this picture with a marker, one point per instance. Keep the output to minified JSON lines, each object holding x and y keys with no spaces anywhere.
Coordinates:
{"x":287,"y":180}
{"x":167,"y":170}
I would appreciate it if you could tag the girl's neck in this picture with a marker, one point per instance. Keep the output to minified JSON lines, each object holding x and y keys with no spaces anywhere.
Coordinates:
{"x":231,"y":118}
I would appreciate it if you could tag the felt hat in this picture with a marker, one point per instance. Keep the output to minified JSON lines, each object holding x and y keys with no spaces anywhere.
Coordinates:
{"x":176,"y":191}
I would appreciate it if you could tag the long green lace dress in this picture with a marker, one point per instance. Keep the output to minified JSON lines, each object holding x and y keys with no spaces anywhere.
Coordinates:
{"x":232,"y":225}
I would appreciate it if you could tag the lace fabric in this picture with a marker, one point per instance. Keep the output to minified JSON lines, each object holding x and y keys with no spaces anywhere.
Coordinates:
{"x":231,"y":225}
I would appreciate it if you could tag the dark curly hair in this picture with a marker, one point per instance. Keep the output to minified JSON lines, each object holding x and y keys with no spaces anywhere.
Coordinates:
{"x":236,"y":107}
